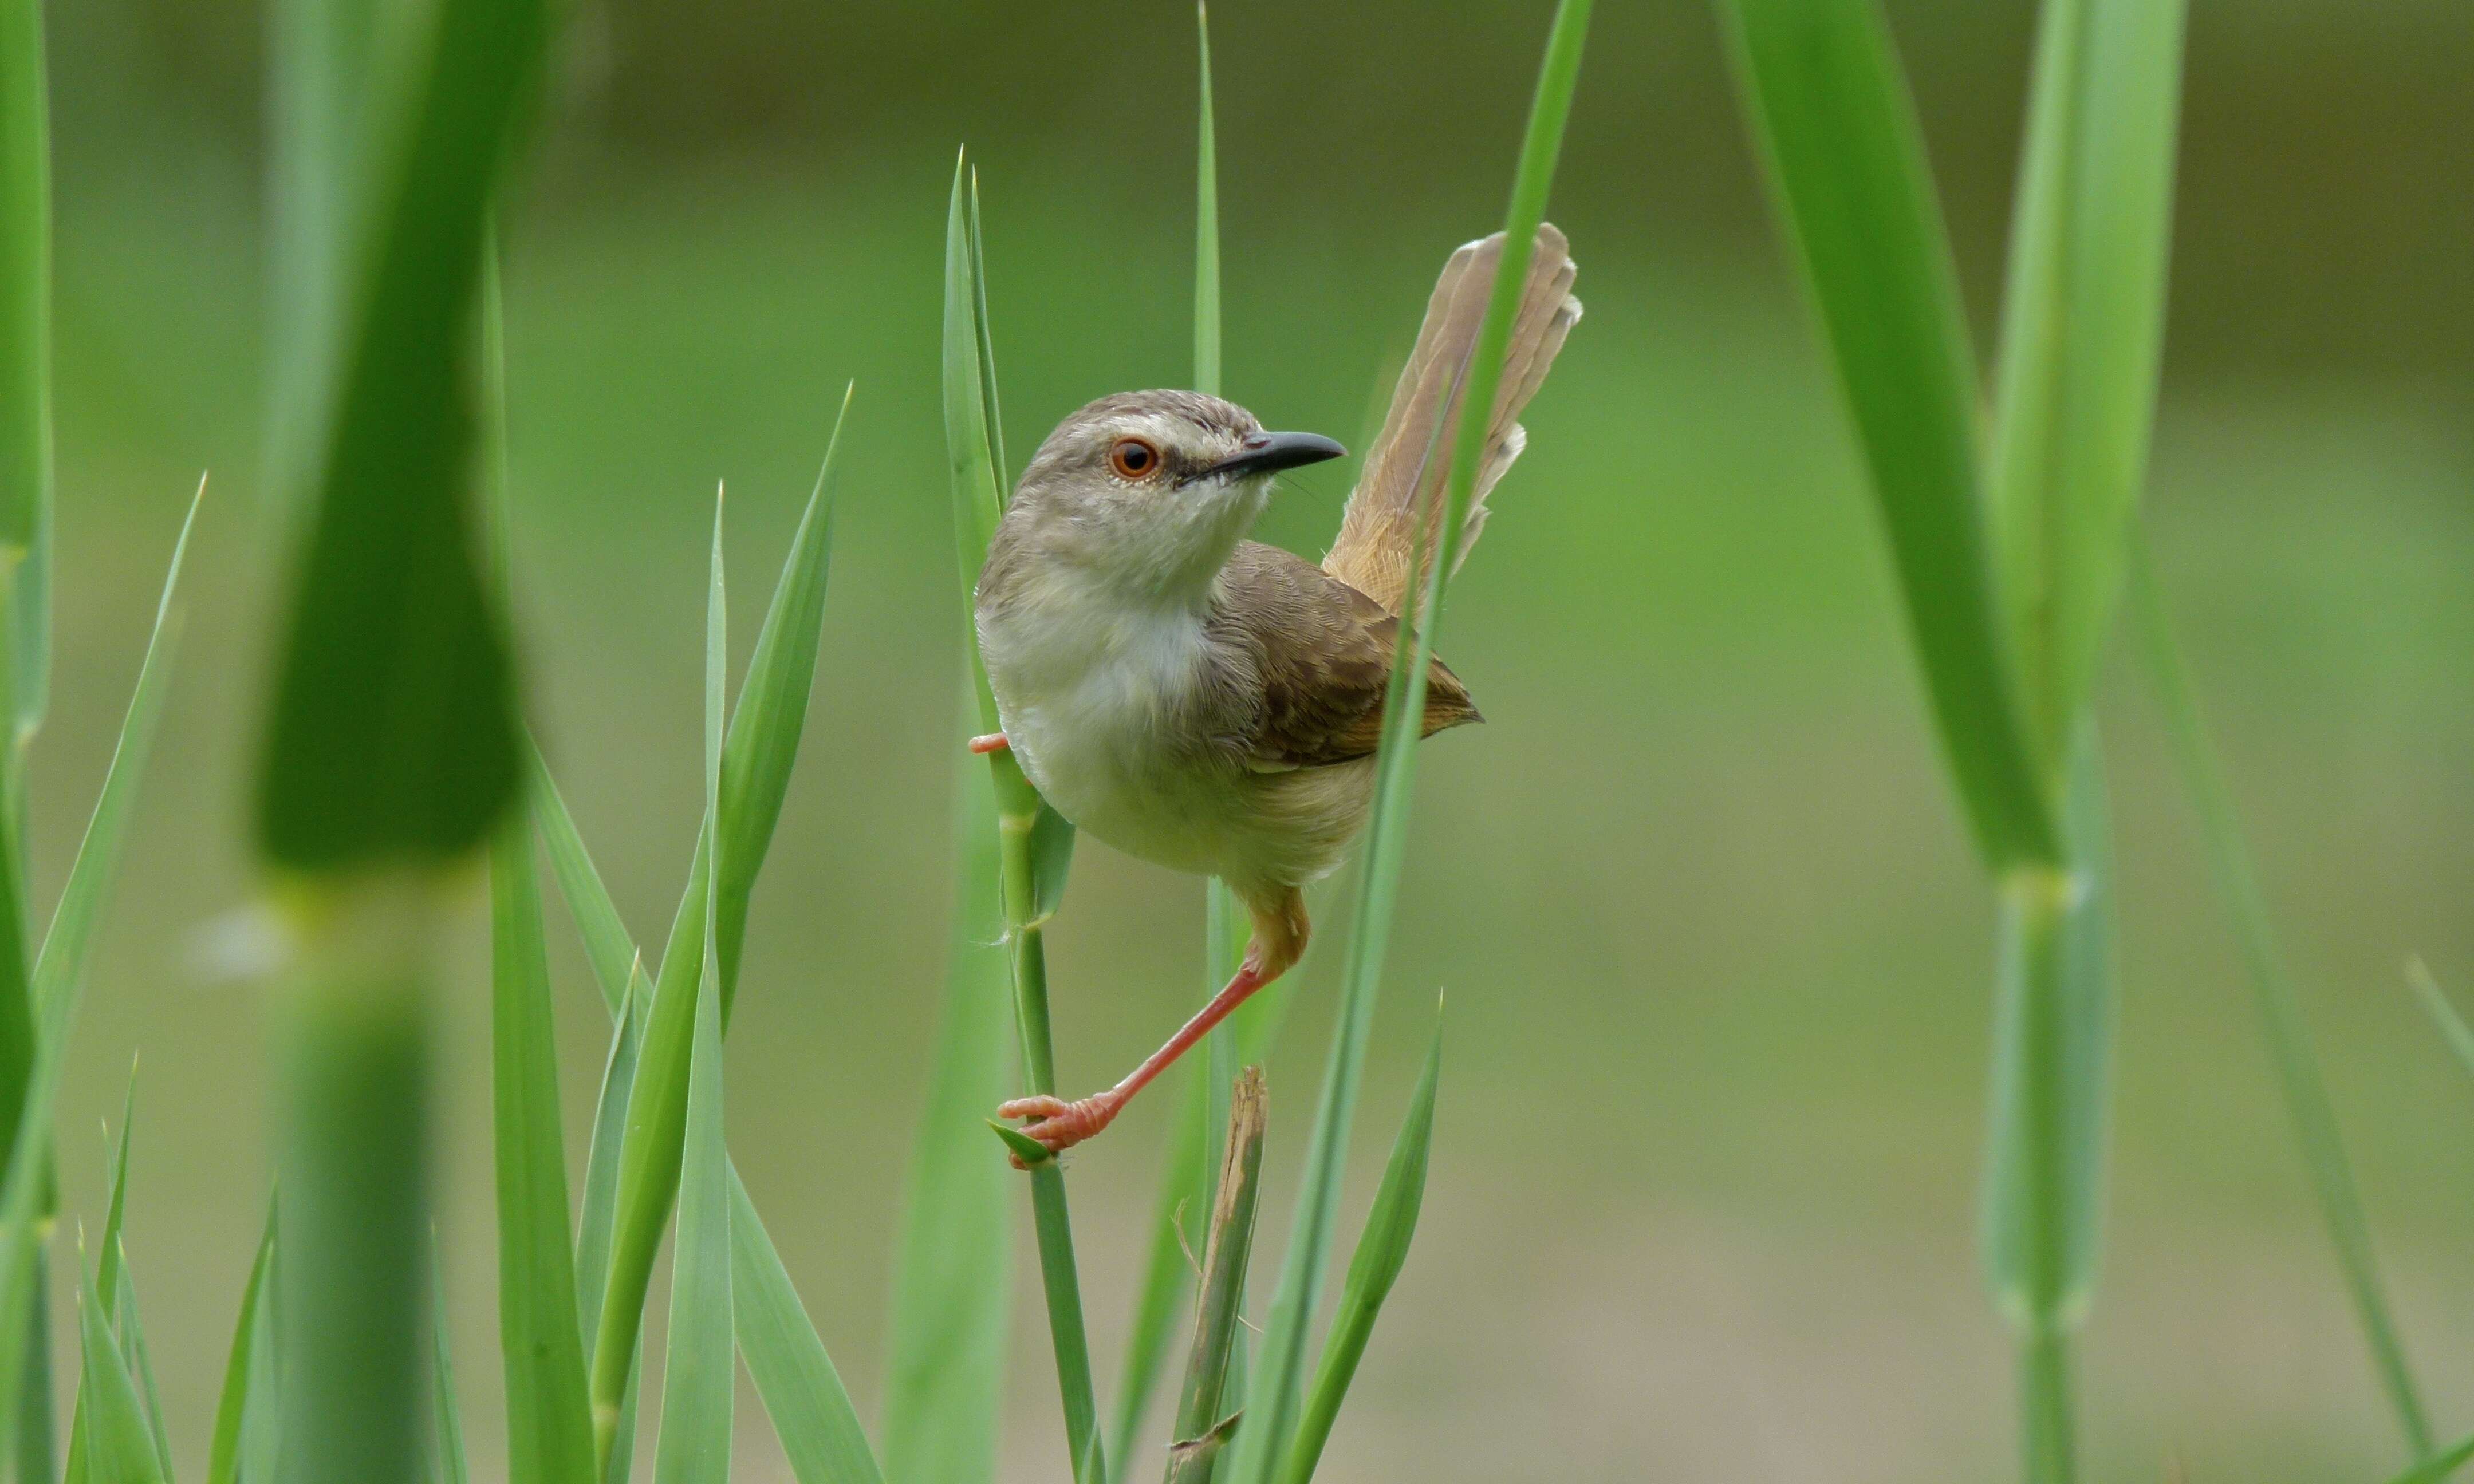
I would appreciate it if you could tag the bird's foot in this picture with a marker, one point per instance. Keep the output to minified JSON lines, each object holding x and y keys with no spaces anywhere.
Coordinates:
{"x":1061,"y":1125}
{"x":993,"y":742}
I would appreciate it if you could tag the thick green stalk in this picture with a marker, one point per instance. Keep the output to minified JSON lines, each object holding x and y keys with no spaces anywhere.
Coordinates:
{"x":1219,"y":1301}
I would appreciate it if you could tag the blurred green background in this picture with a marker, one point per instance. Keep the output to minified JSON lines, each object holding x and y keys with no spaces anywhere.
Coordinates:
{"x":1715,"y":954}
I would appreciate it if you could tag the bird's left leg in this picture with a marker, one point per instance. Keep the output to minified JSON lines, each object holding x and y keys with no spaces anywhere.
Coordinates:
{"x":1279,"y":941}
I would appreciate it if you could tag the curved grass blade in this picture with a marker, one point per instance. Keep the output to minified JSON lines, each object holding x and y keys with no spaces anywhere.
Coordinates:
{"x":1219,"y":1299}
{"x":2453,"y":1028}
{"x":607,"y":944}
{"x":1034,"y":841}
{"x":2083,"y":327}
{"x":447,"y":1419}
{"x":953,"y":1285}
{"x":811,"y":1413}
{"x":697,"y":1376}
{"x":122,"y":1446}
{"x":1382,"y":1248}
{"x":2279,"y":1001}
{"x":1273,"y":1402}
{"x":227,"y":1459}
{"x":1847,"y":167}
{"x":2440,"y":1467}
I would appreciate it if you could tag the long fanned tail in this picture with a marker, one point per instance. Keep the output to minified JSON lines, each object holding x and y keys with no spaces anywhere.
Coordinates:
{"x":1401,"y":491}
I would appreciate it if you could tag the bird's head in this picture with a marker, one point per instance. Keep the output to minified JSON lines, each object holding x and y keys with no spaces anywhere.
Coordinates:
{"x":1153,"y":491}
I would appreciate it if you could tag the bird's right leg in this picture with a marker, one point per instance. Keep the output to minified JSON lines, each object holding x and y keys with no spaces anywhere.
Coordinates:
{"x":993,"y":742}
{"x":1279,"y":941}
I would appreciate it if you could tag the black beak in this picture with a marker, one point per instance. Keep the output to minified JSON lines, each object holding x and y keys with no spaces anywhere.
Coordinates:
{"x":1268,"y":453}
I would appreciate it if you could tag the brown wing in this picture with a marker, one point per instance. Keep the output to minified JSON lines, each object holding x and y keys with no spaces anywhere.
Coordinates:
{"x":1321,"y":655}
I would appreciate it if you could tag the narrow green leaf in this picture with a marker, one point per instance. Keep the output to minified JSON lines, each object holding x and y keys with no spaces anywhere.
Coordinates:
{"x":36,"y":1458}
{"x":811,"y":1413}
{"x":1382,"y":1248}
{"x":1273,"y":1398}
{"x":122,"y":1444}
{"x":549,"y":1431}
{"x":2082,"y":328}
{"x":607,"y":944}
{"x":393,"y":736}
{"x":141,"y":1365}
{"x":699,"y":1376}
{"x":1206,"y":221}
{"x":772,"y":712}
{"x":2440,"y":1465}
{"x":601,"y":1163}
{"x":952,"y":1280}
{"x":2453,"y":1028}
{"x":1220,"y":1297}
{"x":227,"y":1459}
{"x":2279,"y":1001}
{"x":1847,"y":167}
{"x":447,"y":1436}
{"x":25,"y":369}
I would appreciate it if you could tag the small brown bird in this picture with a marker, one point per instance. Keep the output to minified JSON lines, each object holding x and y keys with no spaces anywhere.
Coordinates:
{"x":1210,"y":703}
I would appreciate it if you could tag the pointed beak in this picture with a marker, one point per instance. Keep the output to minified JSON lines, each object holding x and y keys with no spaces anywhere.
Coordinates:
{"x":1268,"y":453}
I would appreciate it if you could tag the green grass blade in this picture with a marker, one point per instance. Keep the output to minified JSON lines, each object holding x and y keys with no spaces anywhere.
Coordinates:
{"x":549,"y":1432}
{"x":1220,"y":1297}
{"x":2440,"y":1465}
{"x":954,"y":1280}
{"x":2042,"y":1203}
{"x":1273,"y":1398}
{"x":225,"y":1459}
{"x":602,"y":1164}
{"x":1206,"y":223}
{"x":25,"y":369}
{"x":2082,"y":332}
{"x":608,"y":945}
{"x":2280,"y":1002}
{"x":811,"y":1413}
{"x":1382,"y":1249}
{"x":447,"y":1419}
{"x":698,"y":1374}
{"x":122,"y":1442}
{"x":2453,"y":1028}
{"x":36,"y":1458}
{"x":772,"y":712}
{"x":1034,"y":842}
{"x":1847,"y":167}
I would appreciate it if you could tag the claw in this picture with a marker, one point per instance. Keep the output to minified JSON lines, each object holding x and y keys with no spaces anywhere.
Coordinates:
{"x":1061,"y":1125}
{"x":993,"y":742}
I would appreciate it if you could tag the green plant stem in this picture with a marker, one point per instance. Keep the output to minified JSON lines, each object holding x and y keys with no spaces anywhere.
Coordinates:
{"x":2045,"y":1430}
{"x":2280,"y":1003}
{"x":1219,"y":1300}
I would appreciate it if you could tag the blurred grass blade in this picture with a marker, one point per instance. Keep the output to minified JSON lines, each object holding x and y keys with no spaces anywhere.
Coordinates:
{"x":1206,"y":223}
{"x":1847,"y":167}
{"x":607,"y":944}
{"x":953,"y":1282}
{"x":602,"y":1164}
{"x":549,"y":1426}
{"x":698,"y":1374}
{"x":1220,"y":1297}
{"x":1382,"y":1248}
{"x":25,"y":373}
{"x":1275,"y":1394}
{"x":2083,"y":324}
{"x":811,"y":1413}
{"x":2043,"y":1197}
{"x":771,"y":714}
{"x":2440,"y":1467}
{"x":2453,"y":1028}
{"x":121,"y":1443}
{"x":447,"y":1419}
{"x":1034,"y":841}
{"x":2280,"y":1003}
{"x":226,"y":1457}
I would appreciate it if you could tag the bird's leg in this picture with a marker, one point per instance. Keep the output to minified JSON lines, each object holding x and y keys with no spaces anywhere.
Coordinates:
{"x":1279,"y":941}
{"x":993,"y":742}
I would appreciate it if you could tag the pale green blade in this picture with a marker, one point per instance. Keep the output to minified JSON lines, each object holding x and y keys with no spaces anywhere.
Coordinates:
{"x":1274,"y":1393}
{"x":1382,"y":1249}
{"x":122,"y":1446}
{"x":607,"y":944}
{"x":2083,"y":325}
{"x":2440,"y":1467}
{"x":2453,"y":1028}
{"x":811,"y":1413}
{"x":1847,"y":167}
{"x":953,"y":1282}
{"x":699,"y":1373}
{"x":26,"y":492}
{"x":227,"y":1460}
{"x":141,"y":1365}
{"x":1220,"y":1297}
{"x":2279,"y":1000}
{"x":446,"y":1420}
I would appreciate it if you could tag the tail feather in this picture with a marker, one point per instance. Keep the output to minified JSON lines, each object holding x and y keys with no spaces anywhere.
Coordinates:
{"x":1401,"y":493}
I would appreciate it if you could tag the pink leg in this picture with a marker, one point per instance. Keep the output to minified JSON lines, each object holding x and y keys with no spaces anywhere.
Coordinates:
{"x":993,"y":742}
{"x":1062,"y":1124}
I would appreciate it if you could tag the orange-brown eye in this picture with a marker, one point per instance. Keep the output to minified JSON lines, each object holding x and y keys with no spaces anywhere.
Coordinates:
{"x":1134,"y":458}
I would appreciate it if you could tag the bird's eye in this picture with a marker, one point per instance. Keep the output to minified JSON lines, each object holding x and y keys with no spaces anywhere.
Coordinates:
{"x":1133,"y":458}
